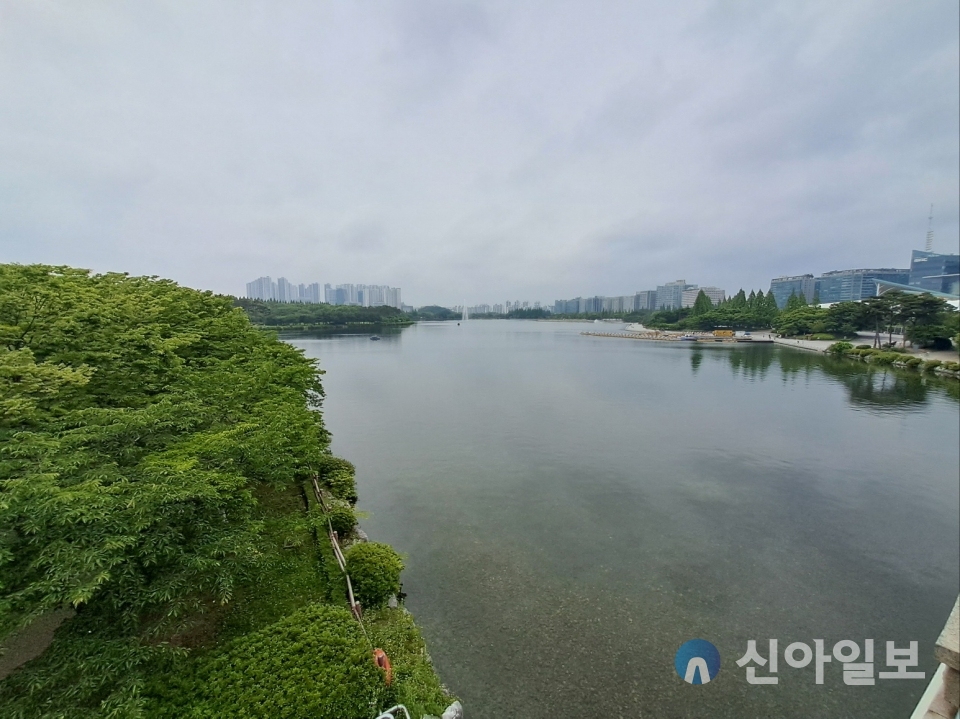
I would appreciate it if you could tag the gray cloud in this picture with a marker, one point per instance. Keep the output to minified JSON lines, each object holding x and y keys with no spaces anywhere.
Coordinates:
{"x":477,"y":151}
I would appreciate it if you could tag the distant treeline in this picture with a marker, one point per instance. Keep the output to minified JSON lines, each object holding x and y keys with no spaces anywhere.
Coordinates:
{"x":284,"y":314}
{"x":432,"y":313}
{"x":927,"y":321}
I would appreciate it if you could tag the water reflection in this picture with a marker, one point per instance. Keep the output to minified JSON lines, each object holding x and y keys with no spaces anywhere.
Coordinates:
{"x":867,"y":386}
{"x":696,"y":358}
{"x":582,"y":499}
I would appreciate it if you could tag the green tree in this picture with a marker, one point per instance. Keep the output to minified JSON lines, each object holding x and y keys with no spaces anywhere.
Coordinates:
{"x":928,"y":320}
{"x":795,"y":301}
{"x":702,"y":304}
{"x":139,"y":417}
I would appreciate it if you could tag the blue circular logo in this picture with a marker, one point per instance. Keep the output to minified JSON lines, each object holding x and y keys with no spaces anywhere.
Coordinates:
{"x":697,"y":661}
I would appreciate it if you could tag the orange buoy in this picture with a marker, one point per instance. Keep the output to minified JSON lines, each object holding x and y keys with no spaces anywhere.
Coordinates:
{"x":383,"y":661}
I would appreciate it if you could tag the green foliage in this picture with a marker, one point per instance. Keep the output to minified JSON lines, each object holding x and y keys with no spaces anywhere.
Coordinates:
{"x":82,"y":676}
{"x":415,"y":683}
{"x":329,"y":463}
{"x":296,"y":314}
{"x":795,"y":302}
{"x":154,"y":447}
{"x":314,"y":664}
{"x":702,"y":304}
{"x":839,"y":348}
{"x":931,"y":365}
{"x":531,"y":313}
{"x":342,"y":517}
{"x":432,"y":313}
{"x":740,"y":312}
{"x":375,"y":572}
{"x":801,"y":321}
{"x":884,"y":358}
{"x":342,"y":485}
{"x":138,"y":417}
{"x":863,"y":347}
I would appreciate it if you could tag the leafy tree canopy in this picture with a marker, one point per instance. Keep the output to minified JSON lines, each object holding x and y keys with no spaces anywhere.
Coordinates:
{"x":137,"y":418}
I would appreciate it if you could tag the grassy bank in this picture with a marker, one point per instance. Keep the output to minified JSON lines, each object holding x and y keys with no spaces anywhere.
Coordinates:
{"x":864,"y":353}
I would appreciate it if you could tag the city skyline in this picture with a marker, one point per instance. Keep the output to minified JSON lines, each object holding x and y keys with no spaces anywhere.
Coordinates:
{"x":363,"y":295}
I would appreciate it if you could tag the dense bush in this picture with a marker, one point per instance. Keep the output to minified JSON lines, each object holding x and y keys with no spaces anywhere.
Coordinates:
{"x":342,"y":517}
{"x":931,"y":365}
{"x":863,"y":347}
{"x":884,"y":358}
{"x":375,"y":572}
{"x":839,"y":348}
{"x":137,"y":417}
{"x":330,"y":463}
{"x":314,"y":664}
{"x":342,"y":485}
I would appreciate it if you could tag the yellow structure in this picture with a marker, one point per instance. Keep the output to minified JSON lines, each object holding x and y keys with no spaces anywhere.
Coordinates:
{"x":723,"y":333}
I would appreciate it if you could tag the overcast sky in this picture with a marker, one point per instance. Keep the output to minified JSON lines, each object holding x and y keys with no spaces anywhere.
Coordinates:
{"x":478,"y":151}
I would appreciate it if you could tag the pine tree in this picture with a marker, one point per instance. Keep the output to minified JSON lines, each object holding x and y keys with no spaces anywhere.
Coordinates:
{"x":702,"y":304}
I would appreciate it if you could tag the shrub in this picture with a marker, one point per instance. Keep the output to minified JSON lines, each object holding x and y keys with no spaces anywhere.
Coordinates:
{"x":839,"y":348}
{"x":885,"y":358}
{"x":912,"y":361}
{"x":312,"y":664}
{"x":930,"y":365}
{"x":951,"y":366}
{"x":329,"y":464}
{"x":374,"y":570}
{"x":341,"y":516}
{"x":342,"y":485}
{"x":824,"y":336}
{"x":864,"y":347}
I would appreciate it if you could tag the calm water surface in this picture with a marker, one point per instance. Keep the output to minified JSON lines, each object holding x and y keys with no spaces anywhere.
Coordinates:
{"x":574,"y":508}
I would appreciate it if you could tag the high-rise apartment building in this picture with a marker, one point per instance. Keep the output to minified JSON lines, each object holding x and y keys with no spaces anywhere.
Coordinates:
{"x":670,"y":295}
{"x":646,"y":300}
{"x":283,"y":290}
{"x":262,"y":288}
{"x":783,"y":287}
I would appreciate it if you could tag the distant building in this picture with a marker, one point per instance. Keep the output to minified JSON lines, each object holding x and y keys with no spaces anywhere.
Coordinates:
{"x":689,"y":297}
{"x":646,"y":300}
{"x":670,"y":295}
{"x":262,"y":288}
{"x":783,"y":287}
{"x":592,"y":305}
{"x":935,"y":272}
{"x":855,"y":285}
{"x":567,"y":307}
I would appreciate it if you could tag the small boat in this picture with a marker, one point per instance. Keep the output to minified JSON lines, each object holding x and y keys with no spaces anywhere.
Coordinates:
{"x":375,"y":338}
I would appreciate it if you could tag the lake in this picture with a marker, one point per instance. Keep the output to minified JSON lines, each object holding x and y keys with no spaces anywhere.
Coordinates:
{"x":572,"y":509}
